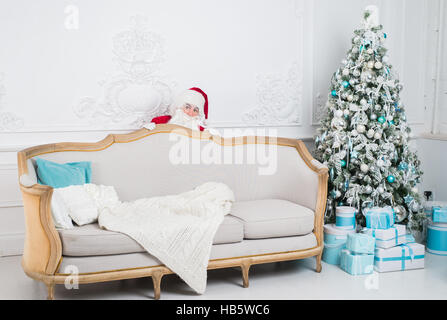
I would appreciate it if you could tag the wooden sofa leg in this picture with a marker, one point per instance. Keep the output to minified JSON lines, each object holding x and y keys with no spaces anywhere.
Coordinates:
{"x":156,"y":280}
{"x":245,"y":269}
{"x":50,"y":289}
{"x":318,"y":268}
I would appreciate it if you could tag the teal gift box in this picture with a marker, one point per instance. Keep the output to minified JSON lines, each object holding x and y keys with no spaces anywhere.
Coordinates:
{"x":379,"y":218}
{"x":356,"y":264}
{"x":360,"y":243}
{"x":334,"y":241}
{"x":437,"y":238}
{"x":439,"y":214}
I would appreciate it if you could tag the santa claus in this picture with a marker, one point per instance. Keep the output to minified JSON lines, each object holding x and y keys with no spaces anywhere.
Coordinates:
{"x":190,"y":110}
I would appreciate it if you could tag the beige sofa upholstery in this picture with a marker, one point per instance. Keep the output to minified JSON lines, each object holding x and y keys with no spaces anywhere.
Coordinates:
{"x":271,"y":218}
{"x":93,"y":264}
{"x":91,"y":240}
{"x":276,"y":217}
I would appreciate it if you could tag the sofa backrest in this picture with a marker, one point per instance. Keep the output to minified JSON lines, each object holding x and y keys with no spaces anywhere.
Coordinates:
{"x":146,"y":163}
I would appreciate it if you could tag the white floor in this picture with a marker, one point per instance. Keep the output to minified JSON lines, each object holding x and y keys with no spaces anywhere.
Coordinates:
{"x":285,"y":280}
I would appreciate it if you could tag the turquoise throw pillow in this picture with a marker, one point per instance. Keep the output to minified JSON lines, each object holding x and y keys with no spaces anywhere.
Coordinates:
{"x":59,"y":175}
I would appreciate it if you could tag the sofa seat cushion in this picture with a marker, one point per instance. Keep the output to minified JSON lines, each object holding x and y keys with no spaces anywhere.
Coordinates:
{"x":91,"y":240}
{"x":219,"y":251}
{"x":271,"y":218}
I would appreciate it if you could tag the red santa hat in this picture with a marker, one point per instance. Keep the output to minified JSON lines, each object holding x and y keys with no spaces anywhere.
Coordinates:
{"x":194,"y":96}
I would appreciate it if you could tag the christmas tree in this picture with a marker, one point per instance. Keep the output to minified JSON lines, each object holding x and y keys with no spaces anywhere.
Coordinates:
{"x":363,"y":139}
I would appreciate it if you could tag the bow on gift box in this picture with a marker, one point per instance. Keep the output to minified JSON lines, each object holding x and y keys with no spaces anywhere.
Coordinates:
{"x":403,"y":258}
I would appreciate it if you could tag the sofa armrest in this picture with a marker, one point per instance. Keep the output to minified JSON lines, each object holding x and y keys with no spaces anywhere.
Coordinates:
{"x":322,"y":174}
{"x":43,"y":248}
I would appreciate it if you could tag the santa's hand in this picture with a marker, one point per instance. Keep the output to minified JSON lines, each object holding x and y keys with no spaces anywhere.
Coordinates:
{"x":150,"y":126}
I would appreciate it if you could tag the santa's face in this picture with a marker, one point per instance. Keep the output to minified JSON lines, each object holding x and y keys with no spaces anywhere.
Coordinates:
{"x":190,"y":109}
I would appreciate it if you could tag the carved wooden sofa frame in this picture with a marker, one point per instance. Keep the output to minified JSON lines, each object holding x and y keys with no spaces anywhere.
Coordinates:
{"x":42,"y":253}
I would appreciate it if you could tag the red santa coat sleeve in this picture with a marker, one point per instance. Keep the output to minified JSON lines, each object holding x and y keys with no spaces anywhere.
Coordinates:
{"x":161,"y":119}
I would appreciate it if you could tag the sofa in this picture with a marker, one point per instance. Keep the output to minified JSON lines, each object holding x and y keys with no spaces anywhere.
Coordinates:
{"x":277,"y":216}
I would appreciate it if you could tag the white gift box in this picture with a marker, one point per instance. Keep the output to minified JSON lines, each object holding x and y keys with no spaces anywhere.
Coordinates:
{"x":387,"y":238}
{"x":403,"y":257}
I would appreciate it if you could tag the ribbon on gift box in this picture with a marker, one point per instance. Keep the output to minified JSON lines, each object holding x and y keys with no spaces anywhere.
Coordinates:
{"x":403,"y":257}
{"x":342,"y":221}
{"x":379,"y":218}
{"x":385,"y":242}
{"x":410,"y":251}
{"x":396,"y":237}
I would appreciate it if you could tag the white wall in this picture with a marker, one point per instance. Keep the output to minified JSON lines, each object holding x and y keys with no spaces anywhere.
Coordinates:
{"x":433,"y":155}
{"x":252,"y":57}
{"x":440,"y":125}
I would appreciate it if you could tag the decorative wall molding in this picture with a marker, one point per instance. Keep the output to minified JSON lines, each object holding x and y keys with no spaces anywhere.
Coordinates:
{"x":319,"y":109}
{"x":8,"y":120}
{"x":279,"y":99}
{"x":138,"y":92}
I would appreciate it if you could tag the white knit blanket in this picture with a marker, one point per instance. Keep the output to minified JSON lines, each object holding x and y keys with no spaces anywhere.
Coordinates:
{"x":177,"y":229}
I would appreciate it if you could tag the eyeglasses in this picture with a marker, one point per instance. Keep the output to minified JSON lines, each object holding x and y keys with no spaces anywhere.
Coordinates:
{"x":189,"y":106}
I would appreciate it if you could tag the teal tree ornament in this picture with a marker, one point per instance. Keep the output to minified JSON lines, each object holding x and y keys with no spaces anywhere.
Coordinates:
{"x":390,"y":178}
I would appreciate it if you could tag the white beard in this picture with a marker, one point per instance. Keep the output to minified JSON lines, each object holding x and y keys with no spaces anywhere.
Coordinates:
{"x":182,"y":119}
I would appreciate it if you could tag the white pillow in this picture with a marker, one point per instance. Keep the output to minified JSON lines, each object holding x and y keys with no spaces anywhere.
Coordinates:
{"x":60,"y":211}
{"x":103,"y":196}
{"x":82,"y":203}
{"x":81,"y":207}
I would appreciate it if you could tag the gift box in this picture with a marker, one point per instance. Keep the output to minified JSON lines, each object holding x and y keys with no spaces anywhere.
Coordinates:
{"x":356,"y":264}
{"x":334,"y":241}
{"x":403,"y":257}
{"x":428,"y":210}
{"x":345,"y":217}
{"x":439,"y":214}
{"x":428,"y":207}
{"x":379,"y":218}
{"x":391,"y":237}
{"x":360,"y":243}
{"x":437,"y":238}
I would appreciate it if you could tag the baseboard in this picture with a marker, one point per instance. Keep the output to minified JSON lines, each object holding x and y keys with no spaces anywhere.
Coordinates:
{"x":11,"y":244}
